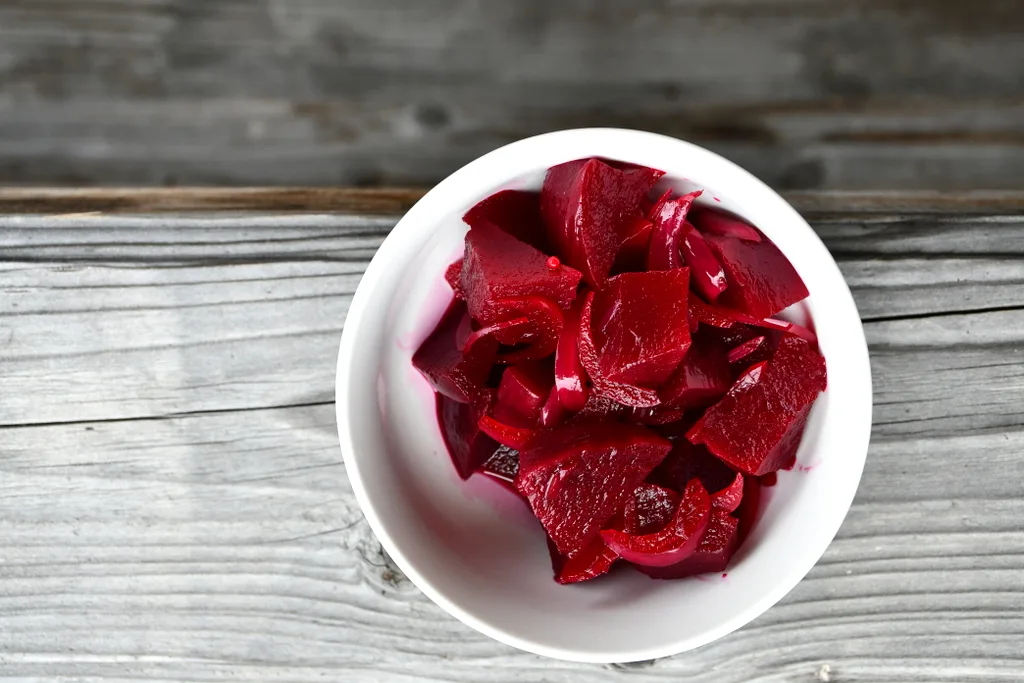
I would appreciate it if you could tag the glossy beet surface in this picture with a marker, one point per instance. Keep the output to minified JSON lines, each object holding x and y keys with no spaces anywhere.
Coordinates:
{"x":612,"y":357}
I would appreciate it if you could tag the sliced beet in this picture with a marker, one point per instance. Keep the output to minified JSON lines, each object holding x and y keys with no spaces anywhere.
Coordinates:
{"x":716,"y":548}
{"x":752,"y":350}
{"x":602,"y":387}
{"x":479,"y":340}
{"x":706,"y":272}
{"x":702,"y":377}
{"x":587,"y":563}
{"x":523,"y":390}
{"x":468,"y":446}
{"x":502,"y":465}
{"x":677,"y":540}
{"x":633,"y":252}
{"x":498,"y":269}
{"x":639,"y":325}
{"x":663,"y":249}
{"x":762,"y":281}
{"x":513,"y":436}
{"x":517,"y":212}
{"x":570,"y":377}
{"x":453,"y":276}
{"x":757,"y":426}
{"x":729,"y":498}
{"x":552,"y":413}
{"x":440,"y":358}
{"x":577,"y":478}
{"x":587,"y":205}
{"x":686,"y":462}
{"x":728,"y":319}
{"x":649,"y":509}
{"x":721,"y":224}
{"x":535,"y":339}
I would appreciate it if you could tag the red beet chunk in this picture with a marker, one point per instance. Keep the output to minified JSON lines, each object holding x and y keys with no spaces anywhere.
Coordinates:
{"x":721,"y":224}
{"x":570,"y":378}
{"x":702,"y":377}
{"x":712,"y":554}
{"x":762,"y":281}
{"x":663,"y":250}
{"x":453,"y":276}
{"x":552,"y":413}
{"x":522,"y":392}
{"x":577,"y":478}
{"x":588,"y":205}
{"x":440,"y":358}
{"x":625,"y":394}
{"x":633,"y":252}
{"x":600,"y":410}
{"x":677,"y":540}
{"x":639,"y":324}
{"x":517,"y":212}
{"x":513,"y":436}
{"x":536,"y":338}
{"x":588,"y":563}
{"x":498,"y":268}
{"x":468,"y":446}
{"x":729,"y":498}
{"x":649,"y":509}
{"x":757,"y":426}
{"x":687,"y":462}
{"x":729,"y":319}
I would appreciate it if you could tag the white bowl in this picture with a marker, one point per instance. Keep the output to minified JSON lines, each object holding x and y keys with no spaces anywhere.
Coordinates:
{"x":472,"y":546}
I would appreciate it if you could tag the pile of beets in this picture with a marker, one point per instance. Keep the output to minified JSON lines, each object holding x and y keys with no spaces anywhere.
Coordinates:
{"x":613,"y":357}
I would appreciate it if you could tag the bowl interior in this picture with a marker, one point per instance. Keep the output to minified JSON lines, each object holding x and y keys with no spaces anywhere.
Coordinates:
{"x":473,"y":546}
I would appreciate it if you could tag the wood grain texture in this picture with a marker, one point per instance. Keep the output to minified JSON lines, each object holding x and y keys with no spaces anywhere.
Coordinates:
{"x":874,"y":94}
{"x":173,"y":505}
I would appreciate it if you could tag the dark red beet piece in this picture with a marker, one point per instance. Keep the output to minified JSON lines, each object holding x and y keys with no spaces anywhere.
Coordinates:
{"x":633,"y":252}
{"x":467,"y":445}
{"x":757,"y":426}
{"x":686,"y":462}
{"x":649,"y":509}
{"x":585,"y":564}
{"x":503,"y":465}
{"x":522,"y":392}
{"x":626,"y":394}
{"x":553,"y":413}
{"x":677,"y":540}
{"x":498,"y":269}
{"x":712,"y":554}
{"x":663,"y":250}
{"x":486,"y":337}
{"x":727,"y":318}
{"x":701,"y":378}
{"x":729,"y":498}
{"x":600,"y":410}
{"x":517,"y":212}
{"x":639,"y":325}
{"x":762,"y":281}
{"x":587,"y":206}
{"x":570,"y":378}
{"x":752,"y":350}
{"x":441,"y":360}
{"x":453,"y":276}
{"x":535,"y":339}
{"x":706,"y":272}
{"x":577,"y":478}
{"x":721,"y":224}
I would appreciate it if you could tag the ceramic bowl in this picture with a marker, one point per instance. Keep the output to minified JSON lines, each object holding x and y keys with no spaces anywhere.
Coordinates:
{"x":472,"y":546}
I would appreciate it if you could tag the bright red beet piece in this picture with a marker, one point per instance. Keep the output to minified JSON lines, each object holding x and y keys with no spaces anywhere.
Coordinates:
{"x":522,"y":392}
{"x":570,"y":378}
{"x":517,"y":212}
{"x":453,"y":276}
{"x":577,"y":478}
{"x":649,"y":509}
{"x":729,"y":498}
{"x":626,"y":394}
{"x":468,"y":446}
{"x":713,"y":553}
{"x":588,"y":563}
{"x":727,"y":319}
{"x":721,"y":224}
{"x":639,"y":323}
{"x":440,"y":358}
{"x":677,"y":540}
{"x":553,"y":413}
{"x":663,"y":250}
{"x":587,"y":206}
{"x":498,"y":269}
{"x":757,"y":426}
{"x":513,"y":436}
{"x":705,"y":270}
{"x":538,"y":337}
{"x":762,"y":281}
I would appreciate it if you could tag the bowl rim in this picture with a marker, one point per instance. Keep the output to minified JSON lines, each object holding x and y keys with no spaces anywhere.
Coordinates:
{"x":375,"y":270}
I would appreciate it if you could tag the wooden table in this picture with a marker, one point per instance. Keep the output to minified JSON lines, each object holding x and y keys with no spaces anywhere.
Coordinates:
{"x":173,"y":503}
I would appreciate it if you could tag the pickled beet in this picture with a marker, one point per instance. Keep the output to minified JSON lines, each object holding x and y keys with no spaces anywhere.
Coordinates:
{"x":570,"y":378}
{"x":577,"y":478}
{"x":522,"y":392}
{"x":452,"y":370}
{"x":468,"y":446}
{"x":587,"y":563}
{"x":517,"y":212}
{"x":649,"y":509}
{"x":588,"y":206}
{"x":757,"y":426}
{"x":712,"y":554}
{"x":669,"y":217}
{"x":715,"y":222}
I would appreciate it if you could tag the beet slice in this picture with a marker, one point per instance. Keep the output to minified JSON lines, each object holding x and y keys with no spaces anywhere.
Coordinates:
{"x":727,"y":318}
{"x":729,"y":498}
{"x":721,"y":224}
{"x":639,"y":324}
{"x":536,"y":338}
{"x":587,"y":205}
{"x":577,"y":478}
{"x":468,"y":446}
{"x":498,"y":269}
{"x":701,"y":378}
{"x":570,"y":377}
{"x":716,"y":548}
{"x":706,"y":272}
{"x":663,"y":250}
{"x":677,"y":540}
{"x":552,"y":413}
{"x":633,"y":251}
{"x":453,"y":370}
{"x":649,"y":509}
{"x":625,"y":394}
{"x":522,"y":392}
{"x":757,"y":426}
{"x":587,"y":563}
{"x":513,"y":436}
{"x":762,"y":281}
{"x":453,"y":276}
{"x":517,"y":212}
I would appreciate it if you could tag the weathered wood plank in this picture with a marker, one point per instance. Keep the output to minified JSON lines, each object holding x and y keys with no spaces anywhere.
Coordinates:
{"x":881,"y":94}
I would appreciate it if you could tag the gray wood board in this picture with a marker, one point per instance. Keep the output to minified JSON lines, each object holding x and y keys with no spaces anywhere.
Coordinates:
{"x":804,"y":93}
{"x":173,"y":503}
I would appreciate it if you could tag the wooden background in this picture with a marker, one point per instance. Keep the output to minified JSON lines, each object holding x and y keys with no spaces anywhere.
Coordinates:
{"x":850,"y":94}
{"x":173,"y":503}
